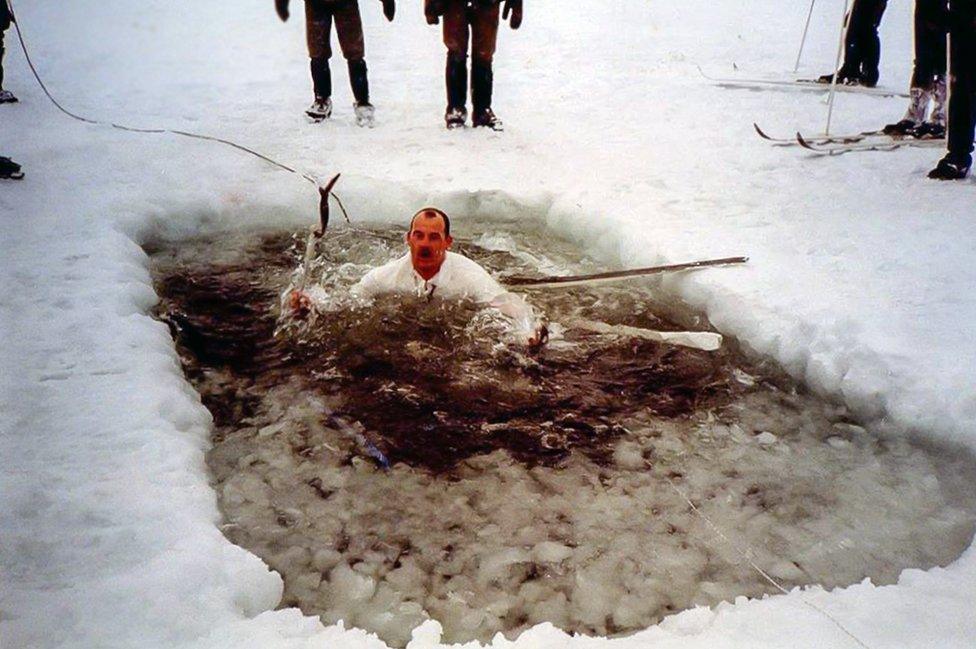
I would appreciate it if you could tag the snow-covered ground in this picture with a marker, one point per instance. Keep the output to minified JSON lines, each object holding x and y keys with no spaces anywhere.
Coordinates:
{"x":859,"y":281}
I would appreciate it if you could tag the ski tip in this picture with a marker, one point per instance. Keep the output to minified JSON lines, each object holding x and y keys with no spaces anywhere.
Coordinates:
{"x":760,"y":132}
{"x":802,"y":142}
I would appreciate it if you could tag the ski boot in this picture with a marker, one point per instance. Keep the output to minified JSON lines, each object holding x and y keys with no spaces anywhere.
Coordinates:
{"x":952,"y":168}
{"x":843,"y":79}
{"x":320,"y":109}
{"x":10,"y":169}
{"x":929,"y":131}
{"x":456,"y":80}
{"x":455,"y":117}
{"x":481,"y":86}
{"x":868,"y":79}
{"x":7,"y":97}
{"x":914,"y":116}
{"x":485,"y":117}
{"x":935,"y":127}
{"x":365,"y":115}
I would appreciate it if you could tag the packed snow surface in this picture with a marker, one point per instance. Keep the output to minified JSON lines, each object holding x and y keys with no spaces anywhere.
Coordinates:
{"x":859,"y":285}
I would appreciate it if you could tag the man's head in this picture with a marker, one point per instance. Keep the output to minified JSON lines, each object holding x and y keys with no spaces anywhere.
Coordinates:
{"x":429,"y":237}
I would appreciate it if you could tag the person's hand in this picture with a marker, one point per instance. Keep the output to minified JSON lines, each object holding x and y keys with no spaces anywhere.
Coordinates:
{"x":432,"y":11}
{"x":281,"y":6}
{"x":513,"y":7}
{"x":300,"y":303}
{"x":389,"y":9}
{"x":539,"y":337}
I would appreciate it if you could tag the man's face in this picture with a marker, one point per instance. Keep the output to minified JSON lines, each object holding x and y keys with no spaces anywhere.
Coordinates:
{"x":428,"y":243}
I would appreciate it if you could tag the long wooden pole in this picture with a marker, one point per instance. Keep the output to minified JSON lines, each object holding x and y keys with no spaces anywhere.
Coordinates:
{"x":537,"y":282}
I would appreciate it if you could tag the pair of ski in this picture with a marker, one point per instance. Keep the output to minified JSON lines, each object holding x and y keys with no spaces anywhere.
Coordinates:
{"x":863,"y":141}
{"x":803,"y":85}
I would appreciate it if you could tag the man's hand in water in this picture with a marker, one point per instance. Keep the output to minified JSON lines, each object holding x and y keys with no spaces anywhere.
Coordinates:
{"x":300,"y":303}
{"x":539,"y":338}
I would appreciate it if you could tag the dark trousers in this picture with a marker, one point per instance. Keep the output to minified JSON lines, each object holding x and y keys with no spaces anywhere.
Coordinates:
{"x":476,"y":24}
{"x":962,"y":78}
{"x":862,"y":48}
{"x":319,"y":16}
{"x":1,"y":59}
{"x":931,"y":28}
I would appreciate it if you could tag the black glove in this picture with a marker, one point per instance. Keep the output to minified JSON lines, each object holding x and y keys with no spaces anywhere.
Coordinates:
{"x":389,"y":9}
{"x":433,"y":10}
{"x":281,"y":6}
{"x":513,"y":7}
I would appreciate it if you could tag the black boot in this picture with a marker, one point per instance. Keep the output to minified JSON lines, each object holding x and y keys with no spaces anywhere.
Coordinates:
{"x":359,"y":80}
{"x":952,"y":168}
{"x":481,"y":87}
{"x":10,"y":169}
{"x":321,"y":78}
{"x":321,"y":108}
{"x":456,"y":80}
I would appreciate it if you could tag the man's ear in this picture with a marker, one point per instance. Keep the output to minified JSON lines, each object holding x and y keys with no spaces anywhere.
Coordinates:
{"x":406,"y":238}
{"x":449,"y":241}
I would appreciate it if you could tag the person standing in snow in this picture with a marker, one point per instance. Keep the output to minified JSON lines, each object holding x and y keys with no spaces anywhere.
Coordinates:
{"x":928,"y":83}
{"x":429,"y":269}
{"x":475,"y":22}
{"x":319,"y":15}
{"x":6,"y":19}
{"x":10,"y":169}
{"x":862,"y":47}
{"x":962,"y":92}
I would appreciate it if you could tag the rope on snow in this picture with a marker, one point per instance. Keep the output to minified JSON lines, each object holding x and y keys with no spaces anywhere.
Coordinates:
{"x":324,"y":192}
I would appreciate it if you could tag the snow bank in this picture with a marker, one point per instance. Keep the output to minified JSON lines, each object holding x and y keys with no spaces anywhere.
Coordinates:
{"x":860,"y":279}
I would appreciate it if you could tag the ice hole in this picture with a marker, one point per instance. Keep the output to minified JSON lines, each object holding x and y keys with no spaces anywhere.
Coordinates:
{"x":526,"y":488}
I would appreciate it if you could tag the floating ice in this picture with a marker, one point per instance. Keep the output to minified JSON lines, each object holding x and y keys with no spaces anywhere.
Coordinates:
{"x":527,"y":489}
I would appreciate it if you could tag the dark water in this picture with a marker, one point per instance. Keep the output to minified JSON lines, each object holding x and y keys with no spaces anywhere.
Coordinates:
{"x":431,"y":389}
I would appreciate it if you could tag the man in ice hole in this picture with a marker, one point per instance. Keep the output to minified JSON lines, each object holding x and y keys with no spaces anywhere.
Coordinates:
{"x":430,"y":268}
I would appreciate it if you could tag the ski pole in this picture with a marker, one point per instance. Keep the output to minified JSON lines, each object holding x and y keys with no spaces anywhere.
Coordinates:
{"x":803,"y":40}
{"x":845,"y":23}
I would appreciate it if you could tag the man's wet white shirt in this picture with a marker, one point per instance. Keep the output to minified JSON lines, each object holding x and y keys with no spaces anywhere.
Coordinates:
{"x":458,"y":278}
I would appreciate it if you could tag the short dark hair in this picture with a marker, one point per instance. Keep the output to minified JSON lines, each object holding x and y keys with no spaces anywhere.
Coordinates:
{"x":440,"y":213}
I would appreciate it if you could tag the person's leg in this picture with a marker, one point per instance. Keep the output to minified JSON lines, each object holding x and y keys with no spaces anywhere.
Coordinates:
{"x":318,"y":29}
{"x":484,"y":29}
{"x":962,"y":91}
{"x":928,"y":70}
{"x":931,"y":31}
{"x":865,"y":20}
{"x":349,"y":27}
{"x":1,"y":57}
{"x":456,"y":38}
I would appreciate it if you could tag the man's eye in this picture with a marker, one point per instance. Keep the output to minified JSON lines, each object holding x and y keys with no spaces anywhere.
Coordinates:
{"x":435,"y":237}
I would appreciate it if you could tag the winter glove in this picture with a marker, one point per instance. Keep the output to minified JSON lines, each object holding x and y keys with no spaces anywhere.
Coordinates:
{"x":513,"y":7}
{"x":281,"y":6}
{"x":433,"y":10}
{"x":389,"y":9}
